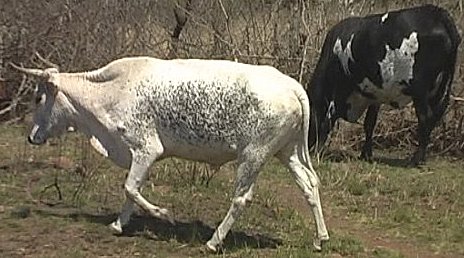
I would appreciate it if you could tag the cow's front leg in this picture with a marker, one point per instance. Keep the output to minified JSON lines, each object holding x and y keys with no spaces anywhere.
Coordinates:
{"x":134,"y":181}
{"x":369,"y":125}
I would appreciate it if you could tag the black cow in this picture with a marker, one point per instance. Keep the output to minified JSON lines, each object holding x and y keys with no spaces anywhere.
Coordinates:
{"x":392,"y":58}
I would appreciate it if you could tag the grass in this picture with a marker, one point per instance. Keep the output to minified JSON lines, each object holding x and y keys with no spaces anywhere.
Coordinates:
{"x":372,"y":209}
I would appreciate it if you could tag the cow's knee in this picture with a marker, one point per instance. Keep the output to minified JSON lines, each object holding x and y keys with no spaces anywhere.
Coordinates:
{"x":131,"y":191}
{"x":241,"y":201}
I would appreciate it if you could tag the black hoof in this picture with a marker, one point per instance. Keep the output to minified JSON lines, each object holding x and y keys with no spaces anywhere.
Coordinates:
{"x":366,"y":156}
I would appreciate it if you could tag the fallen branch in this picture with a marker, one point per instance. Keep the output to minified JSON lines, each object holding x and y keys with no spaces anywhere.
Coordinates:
{"x":457,"y":98}
{"x":58,"y":190}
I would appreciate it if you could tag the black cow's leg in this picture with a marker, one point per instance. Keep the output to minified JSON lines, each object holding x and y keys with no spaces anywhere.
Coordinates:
{"x":426,"y":123}
{"x":428,"y":114}
{"x":369,"y":125}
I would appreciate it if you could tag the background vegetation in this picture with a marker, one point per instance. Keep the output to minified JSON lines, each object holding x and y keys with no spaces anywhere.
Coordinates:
{"x":56,"y":200}
{"x":288,"y":34}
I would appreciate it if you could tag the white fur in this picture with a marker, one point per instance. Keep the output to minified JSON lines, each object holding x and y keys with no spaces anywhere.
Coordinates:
{"x":96,"y":144}
{"x":344,"y":55}
{"x":398,"y":63}
{"x":384,"y":17}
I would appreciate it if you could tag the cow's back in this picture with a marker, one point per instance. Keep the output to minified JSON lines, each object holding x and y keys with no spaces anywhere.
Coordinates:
{"x":204,"y":109}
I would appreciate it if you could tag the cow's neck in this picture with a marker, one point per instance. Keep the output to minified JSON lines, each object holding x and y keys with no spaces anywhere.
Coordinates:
{"x":88,"y":98}
{"x":87,"y":94}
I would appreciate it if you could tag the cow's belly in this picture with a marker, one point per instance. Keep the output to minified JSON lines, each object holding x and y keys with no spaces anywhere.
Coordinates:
{"x":390,"y":93}
{"x":387,"y":94}
{"x":212,"y":153}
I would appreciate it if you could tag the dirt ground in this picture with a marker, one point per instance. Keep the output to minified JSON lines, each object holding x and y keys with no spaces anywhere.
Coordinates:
{"x":57,"y":200}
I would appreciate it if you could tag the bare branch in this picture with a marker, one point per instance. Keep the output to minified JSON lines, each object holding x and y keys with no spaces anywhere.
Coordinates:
{"x":457,"y":98}
{"x":46,"y":61}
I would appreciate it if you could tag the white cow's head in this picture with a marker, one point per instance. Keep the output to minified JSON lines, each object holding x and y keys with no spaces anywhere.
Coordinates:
{"x":52,"y":107}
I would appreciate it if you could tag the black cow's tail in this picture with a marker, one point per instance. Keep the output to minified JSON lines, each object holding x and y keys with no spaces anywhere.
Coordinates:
{"x":450,"y":26}
{"x":454,"y":37}
{"x":446,"y":80}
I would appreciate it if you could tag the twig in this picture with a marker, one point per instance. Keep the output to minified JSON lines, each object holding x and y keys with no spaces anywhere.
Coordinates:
{"x":457,"y":98}
{"x":22,"y":91}
{"x":181,"y":19}
{"x":305,"y":48}
{"x":58,"y":190}
{"x":46,"y":61}
{"x":226,"y":16}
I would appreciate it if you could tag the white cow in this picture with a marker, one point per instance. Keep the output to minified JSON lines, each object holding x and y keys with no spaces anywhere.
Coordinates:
{"x":139,"y":110}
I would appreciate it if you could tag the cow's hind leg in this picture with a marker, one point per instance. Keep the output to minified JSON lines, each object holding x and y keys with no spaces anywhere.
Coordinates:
{"x":308,"y":181}
{"x":428,"y":112}
{"x":424,"y":128}
{"x":430,"y":106}
{"x":369,"y":125}
{"x":248,"y":170}
{"x":134,"y":181}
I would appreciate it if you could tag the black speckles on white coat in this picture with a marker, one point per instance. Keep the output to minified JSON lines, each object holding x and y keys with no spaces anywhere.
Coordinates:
{"x":200,"y":113}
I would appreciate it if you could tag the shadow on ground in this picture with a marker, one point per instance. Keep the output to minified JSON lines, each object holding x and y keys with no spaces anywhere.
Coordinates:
{"x":398,"y":160}
{"x":191,"y":232}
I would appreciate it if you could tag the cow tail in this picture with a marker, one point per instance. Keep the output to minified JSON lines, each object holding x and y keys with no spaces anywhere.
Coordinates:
{"x":304,"y":147}
{"x":448,"y":75}
{"x":450,"y":26}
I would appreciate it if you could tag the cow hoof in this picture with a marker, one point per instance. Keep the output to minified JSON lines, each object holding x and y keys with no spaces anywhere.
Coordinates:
{"x":415,"y":163}
{"x":211,"y":248}
{"x":366,"y":156}
{"x":418,"y":158}
{"x":319,"y":242}
{"x":116,"y":227}
{"x":164,"y":214}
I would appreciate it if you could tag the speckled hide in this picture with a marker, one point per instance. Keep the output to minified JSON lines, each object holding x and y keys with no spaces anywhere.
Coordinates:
{"x":139,"y":110}
{"x":209,"y":119}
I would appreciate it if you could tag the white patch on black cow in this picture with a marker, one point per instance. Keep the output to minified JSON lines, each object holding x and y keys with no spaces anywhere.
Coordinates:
{"x":384,"y":17}
{"x":397,"y":66}
{"x":396,"y":70}
{"x":344,"y":55}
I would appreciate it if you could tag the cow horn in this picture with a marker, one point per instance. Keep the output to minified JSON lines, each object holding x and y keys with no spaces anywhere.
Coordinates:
{"x":45,"y":61}
{"x":30,"y":71}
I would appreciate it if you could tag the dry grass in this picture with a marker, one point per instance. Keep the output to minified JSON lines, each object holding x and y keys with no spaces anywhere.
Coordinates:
{"x":82,"y":35}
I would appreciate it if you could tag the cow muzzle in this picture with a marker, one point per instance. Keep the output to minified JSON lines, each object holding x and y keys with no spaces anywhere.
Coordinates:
{"x":34,"y":141}
{"x":34,"y":137}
